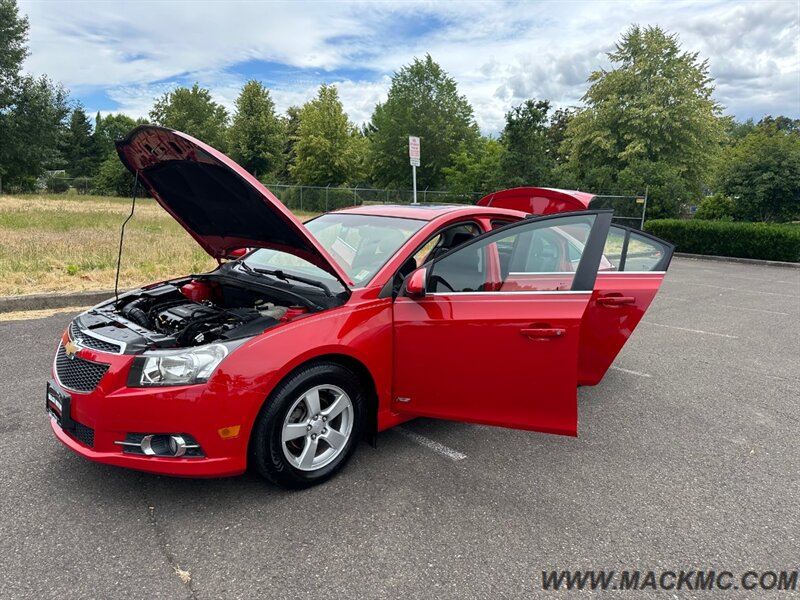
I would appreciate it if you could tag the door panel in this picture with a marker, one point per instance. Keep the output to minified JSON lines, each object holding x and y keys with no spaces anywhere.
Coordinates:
{"x":495,"y":352}
{"x":622,"y":294}
{"x":474,"y":358}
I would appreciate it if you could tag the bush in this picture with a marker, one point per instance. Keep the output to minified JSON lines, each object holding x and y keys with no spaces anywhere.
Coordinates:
{"x":114,"y":179}
{"x":82,"y":185}
{"x":721,"y":238}
{"x":57,"y":184}
{"x":716,"y":208}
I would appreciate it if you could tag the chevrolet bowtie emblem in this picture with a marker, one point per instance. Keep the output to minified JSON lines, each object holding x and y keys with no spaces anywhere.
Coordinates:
{"x":71,"y":349}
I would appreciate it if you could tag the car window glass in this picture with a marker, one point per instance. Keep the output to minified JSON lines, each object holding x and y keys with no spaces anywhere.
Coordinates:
{"x":612,"y":252}
{"x":449,"y":238}
{"x":644,"y":254}
{"x":498,"y":223}
{"x":534,"y":256}
{"x":423,"y":253}
{"x":362,"y":244}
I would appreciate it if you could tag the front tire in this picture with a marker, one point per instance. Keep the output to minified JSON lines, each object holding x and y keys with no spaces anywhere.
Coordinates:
{"x":309,"y":426}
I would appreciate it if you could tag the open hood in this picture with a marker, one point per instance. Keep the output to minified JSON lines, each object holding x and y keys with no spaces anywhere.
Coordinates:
{"x":221,"y":205}
{"x":538,"y":201}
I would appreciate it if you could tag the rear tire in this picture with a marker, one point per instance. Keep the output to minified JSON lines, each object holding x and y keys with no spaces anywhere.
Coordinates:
{"x":309,"y":426}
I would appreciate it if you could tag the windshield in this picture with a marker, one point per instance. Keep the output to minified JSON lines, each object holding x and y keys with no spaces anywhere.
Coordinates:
{"x":361,"y":244}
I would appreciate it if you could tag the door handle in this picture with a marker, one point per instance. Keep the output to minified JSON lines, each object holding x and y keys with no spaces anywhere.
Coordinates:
{"x":543,"y":332}
{"x":615,"y":300}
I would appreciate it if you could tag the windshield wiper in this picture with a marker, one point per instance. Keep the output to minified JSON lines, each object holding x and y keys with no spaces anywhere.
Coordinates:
{"x":282,"y":275}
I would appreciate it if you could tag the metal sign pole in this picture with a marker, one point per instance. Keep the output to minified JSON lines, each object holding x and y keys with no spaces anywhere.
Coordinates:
{"x":414,"y":177}
{"x":413,"y":155}
{"x":644,"y":208}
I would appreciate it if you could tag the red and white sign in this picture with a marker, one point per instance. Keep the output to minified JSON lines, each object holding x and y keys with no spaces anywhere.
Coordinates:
{"x":413,"y":150}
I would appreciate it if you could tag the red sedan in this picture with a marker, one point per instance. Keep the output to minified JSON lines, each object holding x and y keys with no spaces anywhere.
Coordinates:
{"x":329,"y":332}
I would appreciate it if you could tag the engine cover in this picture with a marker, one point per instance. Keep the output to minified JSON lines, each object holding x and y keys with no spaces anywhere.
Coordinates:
{"x":178,"y":317}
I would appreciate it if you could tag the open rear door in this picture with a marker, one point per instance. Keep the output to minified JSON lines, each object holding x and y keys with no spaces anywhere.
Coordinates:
{"x":633,"y":268}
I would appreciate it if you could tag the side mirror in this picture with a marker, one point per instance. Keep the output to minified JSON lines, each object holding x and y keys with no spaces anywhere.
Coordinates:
{"x":415,"y":284}
{"x":237,"y":253}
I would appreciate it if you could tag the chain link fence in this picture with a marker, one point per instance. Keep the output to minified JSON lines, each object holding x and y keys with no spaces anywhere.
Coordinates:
{"x":629,"y":209}
{"x":322,"y":199}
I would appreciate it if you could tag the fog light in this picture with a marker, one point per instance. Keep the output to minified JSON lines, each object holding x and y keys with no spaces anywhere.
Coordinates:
{"x":163,"y":445}
{"x":177,"y":445}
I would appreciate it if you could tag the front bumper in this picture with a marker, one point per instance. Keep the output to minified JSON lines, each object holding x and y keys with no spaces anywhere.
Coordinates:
{"x":112,"y":411}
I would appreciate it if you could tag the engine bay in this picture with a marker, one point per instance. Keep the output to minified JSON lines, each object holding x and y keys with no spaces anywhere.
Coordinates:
{"x":199,"y":311}
{"x":190,"y":312}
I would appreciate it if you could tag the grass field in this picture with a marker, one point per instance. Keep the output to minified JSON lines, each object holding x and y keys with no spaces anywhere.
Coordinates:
{"x":63,"y":243}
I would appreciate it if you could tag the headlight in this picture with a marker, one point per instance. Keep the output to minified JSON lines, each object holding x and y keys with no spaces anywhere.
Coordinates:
{"x":178,"y":367}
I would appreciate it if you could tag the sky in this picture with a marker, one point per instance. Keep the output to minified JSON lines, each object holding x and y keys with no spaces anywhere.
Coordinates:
{"x":118,"y":56}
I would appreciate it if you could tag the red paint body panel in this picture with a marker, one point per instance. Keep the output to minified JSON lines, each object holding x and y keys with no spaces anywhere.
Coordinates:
{"x":235,"y":392}
{"x":443,"y":369}
{"x":538,"y":201}
{"x":606,"y":328}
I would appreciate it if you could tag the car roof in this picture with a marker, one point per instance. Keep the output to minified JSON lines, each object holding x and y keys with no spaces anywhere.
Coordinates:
{"x":426,"y":212}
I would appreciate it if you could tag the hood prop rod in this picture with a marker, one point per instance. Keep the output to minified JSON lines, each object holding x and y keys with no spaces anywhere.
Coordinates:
{"x":122,"y":235}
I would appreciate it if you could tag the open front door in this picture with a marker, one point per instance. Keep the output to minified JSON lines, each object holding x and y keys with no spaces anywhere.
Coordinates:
{"x":495,"y":337}
{"x":634,"y":265}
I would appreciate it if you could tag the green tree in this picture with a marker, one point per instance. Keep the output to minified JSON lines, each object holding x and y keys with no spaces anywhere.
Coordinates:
{"x":291,"y":126}
{"x":556,"y":132}
{"x":13,"y":50}
{"x":527,"y":159}
{"x":192,"y":111}
{"x":423,"y":101}
{"x":325,"y":152}
{"x":717,"y":207}
{"x":761,"y":172}
{"x":30,"y":130}
{"x":478,"y":170}
{"x":649,"y":121}
{"x":114,"y":179}
{"x":79,"y":149}
{"x":257,"y":136}
{"x":31,"y":110}
{"x":109,"y":129}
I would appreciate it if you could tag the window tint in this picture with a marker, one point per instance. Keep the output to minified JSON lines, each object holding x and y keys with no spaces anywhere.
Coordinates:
{"x":446,"y":240}
{"x":644,"y":254}
{"x":641,"y":253}
{"x":612,"y":252}
{"x":362,"y":244}
{"x":532,"y":256}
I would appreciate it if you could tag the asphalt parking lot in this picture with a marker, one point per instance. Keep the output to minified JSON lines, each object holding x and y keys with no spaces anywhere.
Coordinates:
{"x":688,"y":456}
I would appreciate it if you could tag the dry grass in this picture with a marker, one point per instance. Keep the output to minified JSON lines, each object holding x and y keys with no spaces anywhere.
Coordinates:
{"x":65,"y":243}
{"x":25,"y":315}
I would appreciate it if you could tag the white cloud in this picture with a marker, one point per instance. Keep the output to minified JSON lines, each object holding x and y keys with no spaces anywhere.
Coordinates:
{"x":499,"y":52}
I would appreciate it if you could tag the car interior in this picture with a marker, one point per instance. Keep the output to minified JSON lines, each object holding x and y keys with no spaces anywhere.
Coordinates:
{"x":442,"y":242}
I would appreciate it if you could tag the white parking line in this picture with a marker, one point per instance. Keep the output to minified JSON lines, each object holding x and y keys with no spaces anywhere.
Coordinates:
{"x":430,"y":444}
{"x":629,"y":372}
{"x":720,"y":287}
{"x":725,"y":335}
{"x":756,"y":279}
{"x":761,"y":310}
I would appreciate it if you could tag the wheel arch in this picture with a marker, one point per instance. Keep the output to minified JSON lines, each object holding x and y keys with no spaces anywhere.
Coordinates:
{"x":352,"y":364}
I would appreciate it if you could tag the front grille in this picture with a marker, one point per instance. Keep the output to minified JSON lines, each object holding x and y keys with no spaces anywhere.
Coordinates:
{"x":77,"y":373}
{"x":89,"y":341}
{"x":84,"y":434}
